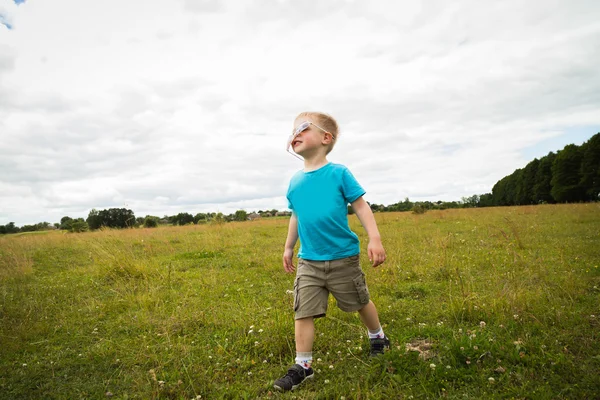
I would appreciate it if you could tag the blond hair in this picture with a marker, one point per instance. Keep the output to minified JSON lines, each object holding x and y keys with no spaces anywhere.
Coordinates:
{"x":326,"y":122}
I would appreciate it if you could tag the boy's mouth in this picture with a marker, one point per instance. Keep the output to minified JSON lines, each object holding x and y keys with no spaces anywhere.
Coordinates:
{"x":295,"y":142}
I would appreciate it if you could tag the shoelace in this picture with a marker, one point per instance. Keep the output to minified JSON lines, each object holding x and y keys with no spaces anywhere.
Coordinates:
{"x":291,"y":373}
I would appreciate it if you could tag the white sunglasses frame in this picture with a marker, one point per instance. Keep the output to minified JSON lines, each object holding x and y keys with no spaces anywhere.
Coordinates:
{"x":301,"y":128}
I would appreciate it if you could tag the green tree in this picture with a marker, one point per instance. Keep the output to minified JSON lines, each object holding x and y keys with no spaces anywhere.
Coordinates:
{"x":111,"y":218}
{"x":471,"y":201}
{"x":11,"y":228}
{"x":543,"y":178}
{"x":200,"y":218}
{"x":151,"y":221}
{"x":94,"y":220}
{"x":499,"y":192}
{"x":486,"y":200}
{"x":65,"y":223}
{"x":240,"y":215}
{"x":183,"y":219}
{"x":590,"y":168}
{"x":527,"y":182}
{"x":79,"y":225}
{"x":566,"y":175}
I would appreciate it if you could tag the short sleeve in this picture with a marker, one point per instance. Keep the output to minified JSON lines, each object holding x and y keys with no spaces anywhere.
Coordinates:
{"x":351,"y":189}
{"x":287,"y":196}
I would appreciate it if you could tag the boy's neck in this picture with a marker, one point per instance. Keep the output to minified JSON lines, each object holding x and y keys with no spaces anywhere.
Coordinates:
{"x":315,"y":162}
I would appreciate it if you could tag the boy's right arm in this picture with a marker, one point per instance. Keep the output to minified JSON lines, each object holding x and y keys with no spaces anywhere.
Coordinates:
{"x":290,"y":242}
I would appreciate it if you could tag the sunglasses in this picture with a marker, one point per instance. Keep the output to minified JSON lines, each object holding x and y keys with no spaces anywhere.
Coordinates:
{"x":301,"y":128}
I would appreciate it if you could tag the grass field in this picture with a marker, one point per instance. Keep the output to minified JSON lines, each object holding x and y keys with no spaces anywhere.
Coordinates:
{"x":490,"y":303}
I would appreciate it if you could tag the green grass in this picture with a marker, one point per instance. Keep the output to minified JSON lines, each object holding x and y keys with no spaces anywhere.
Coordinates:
{"x":511,"y":294}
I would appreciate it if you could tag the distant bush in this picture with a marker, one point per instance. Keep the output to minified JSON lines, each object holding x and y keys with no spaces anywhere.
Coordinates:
{"x":78,"y":225}
{"x":419,"y":209}
{"x":150,"y":222}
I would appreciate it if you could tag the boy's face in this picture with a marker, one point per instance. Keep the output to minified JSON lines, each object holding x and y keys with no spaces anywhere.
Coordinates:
{"x":308,"y":138}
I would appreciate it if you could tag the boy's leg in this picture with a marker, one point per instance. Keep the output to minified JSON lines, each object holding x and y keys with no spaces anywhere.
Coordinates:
{"x":305,"y":334}
{"x":370,"y":317}
{"x":299,"y":372}
{"x":305,"y":337}
{"x":379,"y":342}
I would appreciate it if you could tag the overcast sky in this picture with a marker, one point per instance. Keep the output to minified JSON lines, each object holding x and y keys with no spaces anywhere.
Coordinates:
{"x":185,"y":106}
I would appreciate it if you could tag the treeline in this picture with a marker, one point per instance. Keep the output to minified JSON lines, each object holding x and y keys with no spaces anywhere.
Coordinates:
{"x":569,"y":175}
{"x":125,"y":218}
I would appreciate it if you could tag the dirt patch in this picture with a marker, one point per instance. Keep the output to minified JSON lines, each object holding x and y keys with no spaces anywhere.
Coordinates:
{"x":423,"y":347}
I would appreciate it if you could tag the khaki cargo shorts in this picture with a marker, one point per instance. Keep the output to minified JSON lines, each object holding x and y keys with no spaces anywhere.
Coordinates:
{"x":343,"y":278}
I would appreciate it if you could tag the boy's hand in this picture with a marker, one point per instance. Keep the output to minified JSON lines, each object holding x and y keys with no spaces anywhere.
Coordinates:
{"x":288,"y":254}
{"x":376,"y":252}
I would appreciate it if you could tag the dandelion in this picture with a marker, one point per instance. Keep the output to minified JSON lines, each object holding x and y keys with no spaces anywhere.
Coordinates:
{"x":408,"y":319}
{"x":250,"y":331}
{"x":348,"y":341}
{"x":326,"y":380}
{"x":331,"y":367}
{"x":459,"y":330}
{"x":475,"y":348}
{"x":491,"y":380}
{"x":515,"y":316}
{"x":260,"y":331}
{"x":482,"y":324}
{"x":440,"y":324}
{"x":432,"y":366}
{"x":448,"y":367}
{"x":249,"y":373}
{"x":264,"y":361}
{"x":468,"y":362}
{"x":24,"y":365}
{"x":462,"y":348}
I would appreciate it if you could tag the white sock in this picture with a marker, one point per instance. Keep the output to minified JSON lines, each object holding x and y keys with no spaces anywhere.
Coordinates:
{"x":377,"y":334}
{"x":304,"y":359}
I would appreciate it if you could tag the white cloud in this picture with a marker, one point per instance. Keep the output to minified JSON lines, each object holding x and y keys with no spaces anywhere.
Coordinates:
{"x":185,"y":106}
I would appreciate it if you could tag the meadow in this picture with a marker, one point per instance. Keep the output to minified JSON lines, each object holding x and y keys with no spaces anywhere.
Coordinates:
{"x":479,"y":304}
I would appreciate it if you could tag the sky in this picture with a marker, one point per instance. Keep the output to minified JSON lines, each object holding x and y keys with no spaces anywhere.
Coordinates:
{"x":186,"y":105}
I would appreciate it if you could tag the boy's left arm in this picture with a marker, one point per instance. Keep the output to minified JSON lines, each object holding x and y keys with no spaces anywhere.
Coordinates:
{"x":367,"y":219}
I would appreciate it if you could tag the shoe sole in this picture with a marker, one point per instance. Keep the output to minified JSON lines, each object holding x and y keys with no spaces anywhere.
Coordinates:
{"x":295,"y":386}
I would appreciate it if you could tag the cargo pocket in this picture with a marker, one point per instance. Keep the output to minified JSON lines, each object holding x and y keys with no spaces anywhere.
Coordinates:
{"x":361,"y":288}
{"x":296,"y":299}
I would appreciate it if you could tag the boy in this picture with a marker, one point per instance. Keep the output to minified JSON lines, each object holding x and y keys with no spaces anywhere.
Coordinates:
{"x":328,"y":259}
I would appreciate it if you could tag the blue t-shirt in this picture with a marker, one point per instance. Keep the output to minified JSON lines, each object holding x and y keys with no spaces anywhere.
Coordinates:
{"x":319,"y":199}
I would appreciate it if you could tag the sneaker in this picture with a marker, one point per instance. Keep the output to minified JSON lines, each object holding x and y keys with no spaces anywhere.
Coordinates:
{"x":294,"y":377}
{"x":379,"y":346}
